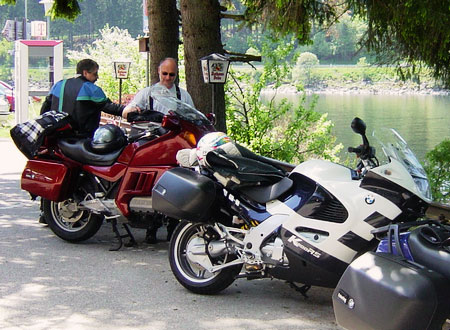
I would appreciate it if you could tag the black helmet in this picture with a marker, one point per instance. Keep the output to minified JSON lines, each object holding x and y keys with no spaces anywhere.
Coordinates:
{"x":108,"y":138}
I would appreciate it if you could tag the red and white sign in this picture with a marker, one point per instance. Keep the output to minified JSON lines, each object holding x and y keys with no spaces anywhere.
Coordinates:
{"x":217,"y":71}
{"x":121,"y":69}
{"x":38,"y":29}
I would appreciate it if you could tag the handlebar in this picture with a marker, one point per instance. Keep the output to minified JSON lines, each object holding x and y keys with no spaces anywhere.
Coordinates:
{"x":155,"y":130}
{"x":356,"y":150}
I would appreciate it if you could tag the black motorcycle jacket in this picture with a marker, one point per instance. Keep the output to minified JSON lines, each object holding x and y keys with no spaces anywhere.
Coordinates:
{"x":83,"y":101}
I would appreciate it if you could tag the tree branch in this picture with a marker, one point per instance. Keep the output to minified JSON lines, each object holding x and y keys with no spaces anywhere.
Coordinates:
{"x":237,"y":18}
{"x":238,"y":57}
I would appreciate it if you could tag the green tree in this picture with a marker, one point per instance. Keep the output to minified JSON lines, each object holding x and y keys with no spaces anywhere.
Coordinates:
{"x":414,"y":31}
{"x":346,"y":38}
{"x":6,"y":59}
{"x":437,"y":166}
{"x":275,"y":128}
{"x":321,"y":46}
{"x":114,"y":44}
{"x":302,"y":71}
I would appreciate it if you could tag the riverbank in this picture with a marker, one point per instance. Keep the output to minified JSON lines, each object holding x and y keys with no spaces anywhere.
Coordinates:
{"x":361,"y":88}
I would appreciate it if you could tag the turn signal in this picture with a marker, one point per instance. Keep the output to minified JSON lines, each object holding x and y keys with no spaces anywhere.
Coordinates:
{"x":189,"y":137}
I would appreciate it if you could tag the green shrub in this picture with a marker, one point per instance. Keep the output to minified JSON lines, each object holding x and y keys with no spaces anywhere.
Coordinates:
{"x":114,"y":44}
{"x":275,"y":129}
{"x":437,"y":166}
{"x":304,"y":66}
{"x":6,"y":60}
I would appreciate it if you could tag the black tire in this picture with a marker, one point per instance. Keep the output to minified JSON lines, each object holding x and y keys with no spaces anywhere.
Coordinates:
{"x":194,"y":277}
{"x":69,"y":223}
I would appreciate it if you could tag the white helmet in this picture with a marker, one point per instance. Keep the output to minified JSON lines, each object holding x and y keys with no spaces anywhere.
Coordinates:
{"x":212,"y":141}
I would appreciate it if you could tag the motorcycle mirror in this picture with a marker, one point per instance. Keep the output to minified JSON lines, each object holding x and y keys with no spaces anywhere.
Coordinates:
{"x":211,"y":117}
{"x":358,"y":126}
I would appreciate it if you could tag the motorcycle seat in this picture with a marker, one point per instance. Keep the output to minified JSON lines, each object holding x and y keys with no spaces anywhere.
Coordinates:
{"x":259,"y":181}
{"x":430,"y":255}
{"x":264,"y":194}
{"x":80,"y":151}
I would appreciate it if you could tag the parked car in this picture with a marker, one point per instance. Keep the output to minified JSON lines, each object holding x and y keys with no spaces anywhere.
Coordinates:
{"x":8,"y":90}
{"x":4,"y":104}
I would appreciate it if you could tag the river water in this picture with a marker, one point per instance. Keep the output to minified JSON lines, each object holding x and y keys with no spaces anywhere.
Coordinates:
{"x":422,"y":120}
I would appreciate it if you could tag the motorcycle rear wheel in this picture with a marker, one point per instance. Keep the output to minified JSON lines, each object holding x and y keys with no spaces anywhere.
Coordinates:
{"x":68,"y":222}
{"x":193,"y":276}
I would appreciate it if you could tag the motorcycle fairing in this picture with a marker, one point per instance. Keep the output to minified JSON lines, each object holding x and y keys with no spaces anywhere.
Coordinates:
{"x":377,"y":220}
{"x":307,"y":264}
{"x":356,"y":242}
{"x":165,"y":146}
{"x":109,"y":173}
{"x":322,"y":205}
{"x":403,"y":198}
{"x":337,"y":243}
{"x":137,"y":181}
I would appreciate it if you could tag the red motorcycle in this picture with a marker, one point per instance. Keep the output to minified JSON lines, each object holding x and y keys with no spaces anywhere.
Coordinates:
{"x":83,"y":182}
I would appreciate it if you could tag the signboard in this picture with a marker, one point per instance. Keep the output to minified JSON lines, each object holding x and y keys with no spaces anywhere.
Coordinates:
{"x":121,"y":69}
{"x":214,"y":68}
{"x":9,"y":30}
{"x":205,"y":71}
{"x":217,"y":72}
{"x":38,"y":29}
{"x":16,"y":30}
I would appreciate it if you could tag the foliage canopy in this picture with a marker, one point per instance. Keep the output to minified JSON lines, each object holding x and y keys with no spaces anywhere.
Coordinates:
{"x":414,"y":31}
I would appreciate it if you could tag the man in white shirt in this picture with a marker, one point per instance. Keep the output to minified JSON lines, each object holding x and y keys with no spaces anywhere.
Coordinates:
{"x":167,"y":70}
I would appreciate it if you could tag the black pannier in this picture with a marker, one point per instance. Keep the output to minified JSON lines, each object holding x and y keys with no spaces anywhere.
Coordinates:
{"x":184,"y":194}
{"x":385,"y":291}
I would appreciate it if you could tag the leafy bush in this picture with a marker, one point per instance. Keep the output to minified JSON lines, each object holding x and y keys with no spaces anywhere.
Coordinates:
{"x":302,"y":71}
{"x":275,"y":129}
{"x":437,"y":166}
{"x":114,"y":44}
{"x":6,"y":60}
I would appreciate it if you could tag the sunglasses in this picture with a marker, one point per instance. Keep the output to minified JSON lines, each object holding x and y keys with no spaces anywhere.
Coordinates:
{"x":167,"y":73}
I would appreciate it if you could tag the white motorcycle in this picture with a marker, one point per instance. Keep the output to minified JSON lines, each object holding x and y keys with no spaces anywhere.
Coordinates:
{"x":247,"y":216}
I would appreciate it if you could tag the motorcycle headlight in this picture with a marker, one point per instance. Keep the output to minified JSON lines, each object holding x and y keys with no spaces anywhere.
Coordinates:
{"x":424,"y":186}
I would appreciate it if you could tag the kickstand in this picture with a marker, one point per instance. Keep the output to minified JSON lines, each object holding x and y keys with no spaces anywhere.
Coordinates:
{"x":119,"y":237}
{"x":302,"y":289}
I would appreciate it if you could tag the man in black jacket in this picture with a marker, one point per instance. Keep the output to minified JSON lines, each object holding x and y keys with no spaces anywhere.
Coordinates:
{"x":83,"y":100}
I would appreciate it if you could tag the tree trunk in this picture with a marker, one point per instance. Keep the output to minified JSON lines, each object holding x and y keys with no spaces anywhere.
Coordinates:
{"x":201,"y":37}
{"x":163,"y":18}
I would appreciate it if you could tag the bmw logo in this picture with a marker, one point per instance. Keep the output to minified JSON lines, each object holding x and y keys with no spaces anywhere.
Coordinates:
{"x":370,"y":199}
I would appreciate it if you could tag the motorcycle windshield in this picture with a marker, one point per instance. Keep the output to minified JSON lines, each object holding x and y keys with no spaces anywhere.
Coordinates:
{"x":178,"y":107}
{"x":395,"y":147}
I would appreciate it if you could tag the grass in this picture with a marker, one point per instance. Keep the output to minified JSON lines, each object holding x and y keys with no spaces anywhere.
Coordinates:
{"x":6,"y":125}
{"x":9,"y":122}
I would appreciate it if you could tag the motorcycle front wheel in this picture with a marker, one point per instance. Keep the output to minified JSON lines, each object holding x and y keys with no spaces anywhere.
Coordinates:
{"x":68,"y":222}
{"x":188,"y":245}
